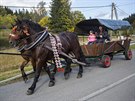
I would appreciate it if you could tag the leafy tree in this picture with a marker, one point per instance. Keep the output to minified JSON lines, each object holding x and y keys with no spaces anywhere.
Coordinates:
{"x":60,"y":19}
{"x":77,"y":16}
{"x":131,"y":18}
{"x":9,"y":11}
{"x":133,"y":24}
{"x":41,"y":9}
{"x":39,"y":12}
{"x":44,"y":21}
{"x":2,"y":11}
{"x":24,"y":14}
{"x":7,"y":20}
{"x":5,"y":11}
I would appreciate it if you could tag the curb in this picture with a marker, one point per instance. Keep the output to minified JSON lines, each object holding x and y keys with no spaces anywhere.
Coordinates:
{"x":15,"y":77}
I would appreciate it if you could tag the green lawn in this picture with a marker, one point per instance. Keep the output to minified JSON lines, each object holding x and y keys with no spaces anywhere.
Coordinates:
{"x":132,"y":47}
{"x":4,"y":34}
{"x":9,"y":64}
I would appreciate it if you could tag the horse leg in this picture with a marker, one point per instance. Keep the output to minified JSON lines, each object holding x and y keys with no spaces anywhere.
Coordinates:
{"x":24,"y":63}
{"x":33,"y":62}
{"x":51,"y":73}
{"x":80,"y":57}
{"x":39,"y":66}
{"x":80,"y":71}
{"x":67,"y":69}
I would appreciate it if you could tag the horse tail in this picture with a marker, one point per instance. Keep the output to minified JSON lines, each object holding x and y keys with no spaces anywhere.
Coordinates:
{"x":81,"y":56}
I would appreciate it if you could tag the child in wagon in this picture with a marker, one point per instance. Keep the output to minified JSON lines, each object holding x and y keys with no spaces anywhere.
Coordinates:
{"x":91,"y":38}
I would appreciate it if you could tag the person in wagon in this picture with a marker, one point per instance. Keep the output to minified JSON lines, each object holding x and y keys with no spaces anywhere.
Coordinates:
{"x":102,"y":35}
{"x":91,"y":37}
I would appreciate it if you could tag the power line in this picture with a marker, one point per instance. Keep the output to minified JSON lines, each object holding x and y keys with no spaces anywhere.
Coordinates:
{"x":50,"y":7}
{"x":93,"y":6}
{"x":122,"y":10}
{"x":128,"y":4}
{"x":71,"y":7}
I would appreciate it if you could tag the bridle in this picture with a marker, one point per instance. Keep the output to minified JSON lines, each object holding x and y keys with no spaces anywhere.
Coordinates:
{"x":19,"y":39}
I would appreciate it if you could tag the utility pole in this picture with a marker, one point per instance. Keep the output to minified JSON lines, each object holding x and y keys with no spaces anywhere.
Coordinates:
{"x":114,"y":11}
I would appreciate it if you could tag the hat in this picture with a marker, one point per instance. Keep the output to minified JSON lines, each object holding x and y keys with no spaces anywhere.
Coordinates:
{"x":90,"y":31}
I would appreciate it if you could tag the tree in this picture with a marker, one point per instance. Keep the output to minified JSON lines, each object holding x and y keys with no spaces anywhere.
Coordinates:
{"x":7,"y":20}
{"x":5,"y":11}
{"x":41,"y":9}
{"x":9,"y":11}
{"x":77,"y":16}
{"x":39,"y":12}
{"x":60,"y":19}
{"x":131,"y":18}
{"x":44,"y":21}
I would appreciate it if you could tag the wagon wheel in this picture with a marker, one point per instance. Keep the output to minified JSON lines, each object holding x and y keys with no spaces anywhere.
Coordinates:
{"x":106,"y":61}
{"x":128,"y":54}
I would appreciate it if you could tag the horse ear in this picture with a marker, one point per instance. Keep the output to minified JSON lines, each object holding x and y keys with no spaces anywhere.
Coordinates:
{"x":15,"y":20}
{"x":19,"y":20}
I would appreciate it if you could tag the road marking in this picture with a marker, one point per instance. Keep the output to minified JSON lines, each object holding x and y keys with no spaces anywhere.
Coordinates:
{"x":105,"y":88}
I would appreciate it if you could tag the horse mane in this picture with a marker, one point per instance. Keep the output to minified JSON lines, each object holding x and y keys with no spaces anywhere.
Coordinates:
{"x":33,"y":25}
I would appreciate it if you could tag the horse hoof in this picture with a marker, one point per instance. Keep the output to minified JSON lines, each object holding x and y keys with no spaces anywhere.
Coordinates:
{"x":66,"y":76}
{"x":51,"y":83}
{"x":70,"y":69}
{"x":25,"y":79}
{"x":29,"y":92}
{"x":79,"y":76}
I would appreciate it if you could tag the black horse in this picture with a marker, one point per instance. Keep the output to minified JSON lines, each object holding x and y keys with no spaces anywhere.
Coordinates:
{"x":26,"y":30}
{"x":25,"y":54}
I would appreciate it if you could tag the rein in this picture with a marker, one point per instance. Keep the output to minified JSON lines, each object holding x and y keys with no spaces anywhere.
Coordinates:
{"x":41,"y":38}
{"x":32,"y":44}
{"x":33,"y":35}
{"x":14,"y":54}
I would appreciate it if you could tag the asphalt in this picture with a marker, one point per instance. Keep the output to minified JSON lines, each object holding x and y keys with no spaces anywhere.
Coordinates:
{"x":94,"y":79}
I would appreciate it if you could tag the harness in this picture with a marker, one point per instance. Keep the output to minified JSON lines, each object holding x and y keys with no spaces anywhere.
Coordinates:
{"x":56,"y":48}
{"x":35,"y":43}
{"x":38,"y":40}
{"x":55,"y":43}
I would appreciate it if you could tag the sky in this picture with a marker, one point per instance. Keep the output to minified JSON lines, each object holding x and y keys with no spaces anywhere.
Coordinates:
{"x":124,"y":7}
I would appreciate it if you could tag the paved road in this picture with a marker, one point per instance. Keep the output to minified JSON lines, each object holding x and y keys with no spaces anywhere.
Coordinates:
{"x":116,"y":83}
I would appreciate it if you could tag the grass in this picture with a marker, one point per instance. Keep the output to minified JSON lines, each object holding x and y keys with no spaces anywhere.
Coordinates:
{"x":132,"y":47}
{"x":9,"y":64}
{"x":4,"y":34}
{"x":12,"y":73}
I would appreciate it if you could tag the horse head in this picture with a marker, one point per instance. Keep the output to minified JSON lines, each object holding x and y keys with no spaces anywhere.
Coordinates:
{"x":22,"y":29}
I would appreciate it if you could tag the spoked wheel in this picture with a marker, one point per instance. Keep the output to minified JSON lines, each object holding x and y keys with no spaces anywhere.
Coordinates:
{"x":128,"y":54}
{"x":106,"y":61}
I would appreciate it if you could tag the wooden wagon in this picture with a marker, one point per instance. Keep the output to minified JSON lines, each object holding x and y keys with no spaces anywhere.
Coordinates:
{"x":104,"y":52}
